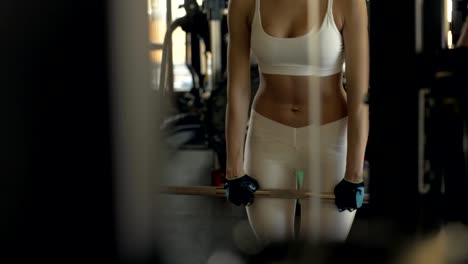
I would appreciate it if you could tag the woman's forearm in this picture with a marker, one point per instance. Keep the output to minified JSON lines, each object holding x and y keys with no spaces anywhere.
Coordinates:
{"x":236,"y":124}
{"x":358,"y":130}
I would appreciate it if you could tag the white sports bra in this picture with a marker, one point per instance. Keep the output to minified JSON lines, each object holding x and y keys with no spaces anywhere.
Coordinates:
{"x":317,"y":53}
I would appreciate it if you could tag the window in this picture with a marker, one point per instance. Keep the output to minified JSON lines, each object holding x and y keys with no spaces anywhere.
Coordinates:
{"x":157,"y":10}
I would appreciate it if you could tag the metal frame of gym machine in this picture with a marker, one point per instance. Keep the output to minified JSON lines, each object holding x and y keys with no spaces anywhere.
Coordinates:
{"x":199,"y":123}
{"x":214,"y":10}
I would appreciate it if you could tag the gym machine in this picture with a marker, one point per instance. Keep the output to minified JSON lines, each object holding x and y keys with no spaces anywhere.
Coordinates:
{"x":203,"y":22}
{"x":459,"y":14}
{"x":200,"y":113}
{"x":418,"y":121}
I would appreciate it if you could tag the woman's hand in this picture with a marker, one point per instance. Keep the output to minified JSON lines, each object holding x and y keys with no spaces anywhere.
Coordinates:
{"x":240,"y":191}
{"x":349,"y":195}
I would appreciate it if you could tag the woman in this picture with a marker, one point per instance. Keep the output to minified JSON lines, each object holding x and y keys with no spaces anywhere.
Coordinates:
{"x":297,"y":61}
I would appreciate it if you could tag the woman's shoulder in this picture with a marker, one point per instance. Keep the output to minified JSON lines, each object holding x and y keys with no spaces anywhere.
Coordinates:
{"x":242,"y":5}
{"x":246,"y":7}
{"x":350,"y":9}
{"x":349,"y":6}
{"x":242,"y":8}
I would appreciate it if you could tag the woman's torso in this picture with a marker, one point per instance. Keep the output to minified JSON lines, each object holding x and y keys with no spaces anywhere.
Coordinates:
{"x":287,"y":98}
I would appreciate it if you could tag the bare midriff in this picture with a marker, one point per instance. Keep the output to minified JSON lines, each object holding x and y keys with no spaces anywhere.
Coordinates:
{"x":290,"y":99}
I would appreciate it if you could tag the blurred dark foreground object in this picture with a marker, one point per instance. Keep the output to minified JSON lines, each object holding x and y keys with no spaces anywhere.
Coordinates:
{"x":300,"y":252}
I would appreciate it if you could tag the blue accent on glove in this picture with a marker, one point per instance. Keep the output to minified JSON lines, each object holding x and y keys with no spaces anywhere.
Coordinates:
{"x":359,"y":196}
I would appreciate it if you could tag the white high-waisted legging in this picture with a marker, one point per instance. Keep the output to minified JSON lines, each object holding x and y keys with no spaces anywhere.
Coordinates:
{"x":274,"y":152}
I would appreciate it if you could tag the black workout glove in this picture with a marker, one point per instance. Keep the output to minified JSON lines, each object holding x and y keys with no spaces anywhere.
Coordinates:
{"x":348,"y":195}
{"x":240,"y":191}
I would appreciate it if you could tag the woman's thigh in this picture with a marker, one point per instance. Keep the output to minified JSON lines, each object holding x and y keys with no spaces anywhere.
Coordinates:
{"x":323,"y":170}
{"x":269,"y":158}
{"x":272,"y":219}
{"x":320,"y":219}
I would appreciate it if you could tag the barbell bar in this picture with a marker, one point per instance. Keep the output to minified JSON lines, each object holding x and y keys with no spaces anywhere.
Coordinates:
{"x":266,"y":193}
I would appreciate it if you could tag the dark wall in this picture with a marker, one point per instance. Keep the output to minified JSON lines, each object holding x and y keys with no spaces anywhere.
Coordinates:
{"x":393,"y":102}
{"x":56,"y":180}
{"x":399,"y":70}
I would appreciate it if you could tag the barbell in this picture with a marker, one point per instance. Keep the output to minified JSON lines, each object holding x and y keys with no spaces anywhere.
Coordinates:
{"x":214,"y":191}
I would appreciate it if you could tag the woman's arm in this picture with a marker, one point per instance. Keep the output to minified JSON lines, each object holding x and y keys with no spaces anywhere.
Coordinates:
{"x":238,"y":85}
{"x":356,"y":43}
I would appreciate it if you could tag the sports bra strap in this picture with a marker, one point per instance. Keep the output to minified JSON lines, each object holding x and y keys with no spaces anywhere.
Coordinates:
{"x":330,"y":7}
